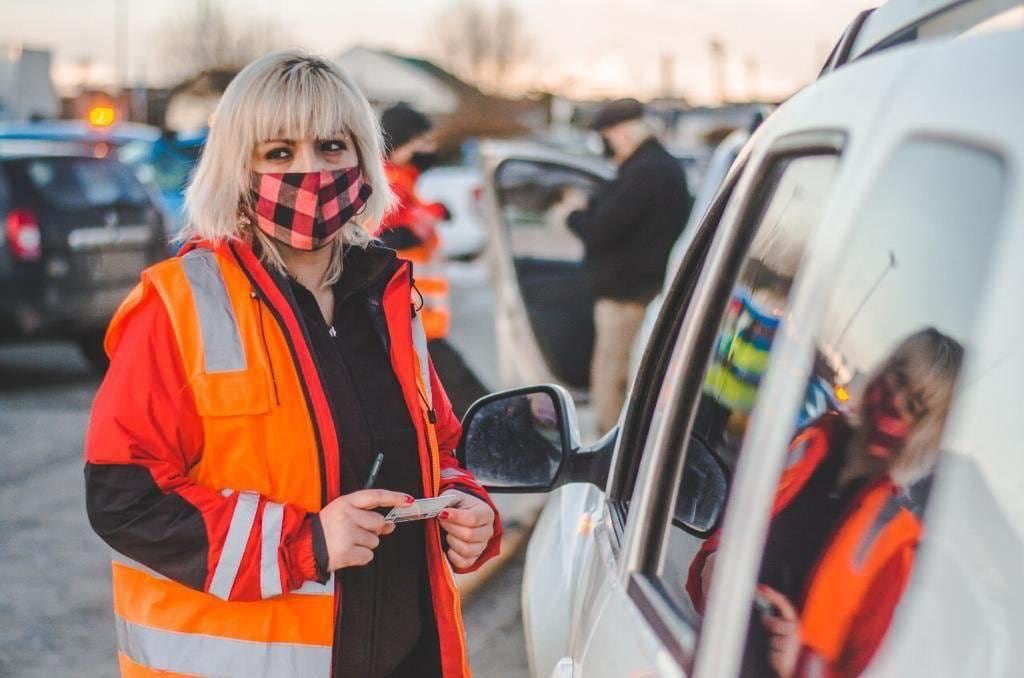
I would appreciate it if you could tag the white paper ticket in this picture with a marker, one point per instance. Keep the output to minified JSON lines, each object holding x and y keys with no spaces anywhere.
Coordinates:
{"x":421,"y":509}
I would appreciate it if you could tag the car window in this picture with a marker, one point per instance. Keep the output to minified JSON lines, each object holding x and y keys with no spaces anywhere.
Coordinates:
{"x":853,"y":485}
{"x":786,"y":207}
{"x":649,"y":398}
{"x":534,"y":200}
{"x":850,"y":501}
{"x":79,"y":183}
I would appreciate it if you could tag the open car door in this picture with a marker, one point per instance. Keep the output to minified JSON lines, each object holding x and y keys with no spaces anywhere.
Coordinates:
{"x":544,"y":304}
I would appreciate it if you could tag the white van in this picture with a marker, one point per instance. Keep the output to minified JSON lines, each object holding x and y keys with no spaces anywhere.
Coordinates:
{"x":883,"y":202}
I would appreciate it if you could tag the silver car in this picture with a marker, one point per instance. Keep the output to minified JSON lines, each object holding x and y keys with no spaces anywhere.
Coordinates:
{"x":885,"y":201}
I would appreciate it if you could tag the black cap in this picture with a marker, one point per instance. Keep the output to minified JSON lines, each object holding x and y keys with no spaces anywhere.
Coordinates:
{"x":402,"y":124}
{"x":615,"y":112}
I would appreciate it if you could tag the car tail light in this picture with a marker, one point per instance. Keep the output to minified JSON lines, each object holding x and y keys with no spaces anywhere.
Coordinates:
{"x":23,"y":235}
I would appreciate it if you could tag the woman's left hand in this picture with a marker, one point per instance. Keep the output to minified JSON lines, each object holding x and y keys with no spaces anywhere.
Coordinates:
{"x":470,"y":525}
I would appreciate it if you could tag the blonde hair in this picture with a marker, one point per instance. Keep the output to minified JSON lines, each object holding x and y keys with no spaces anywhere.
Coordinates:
{"x":931,"y":361}
{"x":288,"y":94}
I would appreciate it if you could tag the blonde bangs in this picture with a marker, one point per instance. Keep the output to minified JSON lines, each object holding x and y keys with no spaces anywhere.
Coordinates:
{"x":285,"y":95}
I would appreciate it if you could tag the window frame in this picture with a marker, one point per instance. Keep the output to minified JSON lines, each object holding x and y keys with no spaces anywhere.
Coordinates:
{"x":634,"y":430}
{"x":668,"y":622}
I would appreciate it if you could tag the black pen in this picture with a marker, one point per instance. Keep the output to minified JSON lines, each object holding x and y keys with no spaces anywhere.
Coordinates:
{"x":374,"y":470}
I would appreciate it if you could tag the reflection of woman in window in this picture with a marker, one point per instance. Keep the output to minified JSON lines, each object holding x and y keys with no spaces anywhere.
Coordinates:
{"x":845,"y":524}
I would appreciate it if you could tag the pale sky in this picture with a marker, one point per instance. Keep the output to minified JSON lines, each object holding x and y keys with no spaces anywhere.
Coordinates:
{"x":581,"y":47}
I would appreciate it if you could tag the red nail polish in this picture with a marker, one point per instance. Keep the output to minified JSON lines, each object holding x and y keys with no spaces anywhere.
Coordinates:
{"x":444,"y":515}
{"x":409,"y":500}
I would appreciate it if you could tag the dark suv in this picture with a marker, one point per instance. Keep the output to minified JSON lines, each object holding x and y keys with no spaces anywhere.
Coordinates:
{"x":76,"y":233}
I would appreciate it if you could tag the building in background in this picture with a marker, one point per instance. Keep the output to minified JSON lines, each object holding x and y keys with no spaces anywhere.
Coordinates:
{"x":26,"y":88}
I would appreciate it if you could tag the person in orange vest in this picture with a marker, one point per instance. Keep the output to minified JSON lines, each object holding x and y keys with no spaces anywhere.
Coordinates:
{"x":845,"y":521}
{"x":411,"y":228}
{"x":269,"y":398}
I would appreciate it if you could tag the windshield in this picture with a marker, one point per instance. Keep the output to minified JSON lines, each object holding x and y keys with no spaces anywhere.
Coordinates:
{"x":78,"y":183}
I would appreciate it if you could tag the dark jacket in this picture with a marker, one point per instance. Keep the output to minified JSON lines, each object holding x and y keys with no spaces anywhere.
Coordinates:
{"x":386,"y":626}
{"x":630,"y":225}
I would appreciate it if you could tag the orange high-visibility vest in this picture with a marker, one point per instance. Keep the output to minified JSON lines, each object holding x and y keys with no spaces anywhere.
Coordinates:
{"x":878,"y":530}
{"x":267,"y":430}
{"x":431,"y":267}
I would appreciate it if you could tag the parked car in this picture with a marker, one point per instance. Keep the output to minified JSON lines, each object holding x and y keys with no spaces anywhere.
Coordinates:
{"x":457,"y":186}
{"x":163,"y":161}
{"x":543,"y":304}
{"x":882,"y":201}
{"x":77,"y":233}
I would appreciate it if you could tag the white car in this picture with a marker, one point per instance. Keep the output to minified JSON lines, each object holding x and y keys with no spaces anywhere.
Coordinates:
{"x":885,"y":199}
{"x":458,"y":187}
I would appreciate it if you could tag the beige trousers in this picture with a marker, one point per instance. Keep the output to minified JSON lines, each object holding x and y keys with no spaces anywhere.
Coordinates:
{"x":616,"y":324}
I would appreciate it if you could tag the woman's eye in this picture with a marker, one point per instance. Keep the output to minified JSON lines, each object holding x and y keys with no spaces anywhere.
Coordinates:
{"x":333,"y":146}
{"x":277,"y":154}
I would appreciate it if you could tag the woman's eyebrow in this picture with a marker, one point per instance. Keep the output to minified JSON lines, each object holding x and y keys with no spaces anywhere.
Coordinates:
{"x":290,"y":142}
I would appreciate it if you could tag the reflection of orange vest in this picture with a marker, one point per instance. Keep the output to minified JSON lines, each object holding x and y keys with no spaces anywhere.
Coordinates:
{"x":243,"y":351}
{"x":878,"y":531}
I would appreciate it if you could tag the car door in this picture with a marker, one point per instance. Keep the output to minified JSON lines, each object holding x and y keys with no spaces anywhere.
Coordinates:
{"x":637,"y":619}
{"x":543,"y":307}
{"x":575,"y":548}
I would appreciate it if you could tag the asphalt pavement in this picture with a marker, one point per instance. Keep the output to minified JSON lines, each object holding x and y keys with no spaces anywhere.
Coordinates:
{"x":55,"y":600}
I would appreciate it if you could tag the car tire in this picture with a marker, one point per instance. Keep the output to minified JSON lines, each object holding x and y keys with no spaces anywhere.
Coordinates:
{"x":90,"y":344}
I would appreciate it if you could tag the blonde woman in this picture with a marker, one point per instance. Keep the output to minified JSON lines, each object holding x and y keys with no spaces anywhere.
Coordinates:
{"x":845,"y":527}
{"x":259,"y":382}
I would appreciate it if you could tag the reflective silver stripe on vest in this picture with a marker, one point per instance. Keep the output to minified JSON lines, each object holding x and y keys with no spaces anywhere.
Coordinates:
{"x":419,"y":342}
{"x":234,"y":544}
{"x":449,"y":472}
{"x":312,"y":588}
{"x":270,"y":570}
{"x":222,"y":342}
{"x":203,"y":655}
{"x":122,"y":559}
{"x":308,"y":588}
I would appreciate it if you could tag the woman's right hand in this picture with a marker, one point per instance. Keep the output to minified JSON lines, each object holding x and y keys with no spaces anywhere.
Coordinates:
{"x":352,"y":529}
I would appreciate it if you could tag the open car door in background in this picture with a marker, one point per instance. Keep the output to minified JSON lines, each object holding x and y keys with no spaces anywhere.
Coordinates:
{"x":544,"y":306}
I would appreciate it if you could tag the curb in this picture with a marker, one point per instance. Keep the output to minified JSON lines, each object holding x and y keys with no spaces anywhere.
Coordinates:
{"x":513,"y":539}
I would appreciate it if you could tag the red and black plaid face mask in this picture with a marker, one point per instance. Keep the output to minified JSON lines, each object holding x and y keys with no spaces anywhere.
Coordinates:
{"x":886,"y":430}
{"x":306,"y":210}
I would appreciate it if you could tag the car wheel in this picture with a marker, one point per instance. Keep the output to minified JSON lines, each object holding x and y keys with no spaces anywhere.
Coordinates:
{"x":90,"y":344}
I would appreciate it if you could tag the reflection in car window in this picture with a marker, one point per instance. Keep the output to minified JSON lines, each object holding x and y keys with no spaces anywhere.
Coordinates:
{"x":846,"y":520}
{"x":787,"y":208}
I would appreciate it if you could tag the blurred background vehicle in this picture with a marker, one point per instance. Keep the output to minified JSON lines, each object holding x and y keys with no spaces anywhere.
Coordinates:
{"x":544,"y":305}
{"x":78,"y":230}
{"x":162,"y":160}
{"x":457,"y":187}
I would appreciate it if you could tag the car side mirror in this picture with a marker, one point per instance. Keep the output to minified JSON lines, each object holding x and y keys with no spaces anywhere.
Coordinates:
{"x":520,"y":440}
{"x":703,"y":491}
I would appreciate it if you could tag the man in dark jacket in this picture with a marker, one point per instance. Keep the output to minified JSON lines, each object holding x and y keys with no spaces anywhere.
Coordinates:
{"x":628,"y":229}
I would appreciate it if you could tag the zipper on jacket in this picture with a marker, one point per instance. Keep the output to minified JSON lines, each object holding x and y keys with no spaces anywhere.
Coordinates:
{"x":374,"y":621}
{"x":263,"y":340}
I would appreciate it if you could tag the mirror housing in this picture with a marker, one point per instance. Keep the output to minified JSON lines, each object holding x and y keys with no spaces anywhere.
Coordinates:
{"x":703,"y":490}
{"x":527,"y":440}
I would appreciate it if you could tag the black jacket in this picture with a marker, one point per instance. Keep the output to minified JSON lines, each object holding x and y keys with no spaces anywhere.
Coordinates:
{"x":387,"y":625}
{"x":630,"y":225}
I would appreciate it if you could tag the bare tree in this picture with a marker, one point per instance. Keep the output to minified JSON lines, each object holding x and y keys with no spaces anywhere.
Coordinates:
{"x":206,"y":40}
{"x":484,"y":47}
